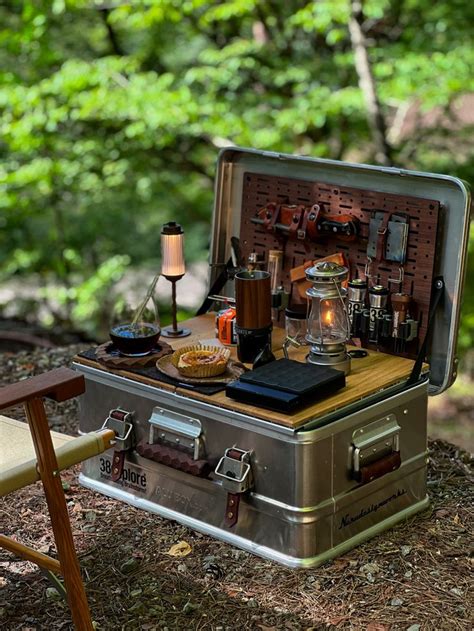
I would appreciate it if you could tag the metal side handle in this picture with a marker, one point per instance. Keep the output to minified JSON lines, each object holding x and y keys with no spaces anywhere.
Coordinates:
{"x":175,"y":440}
{"x":375,"y":449}
{"x":177,"y":429}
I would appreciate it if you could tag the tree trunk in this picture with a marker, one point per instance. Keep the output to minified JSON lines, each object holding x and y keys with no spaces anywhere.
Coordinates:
{"x":375,"y":116}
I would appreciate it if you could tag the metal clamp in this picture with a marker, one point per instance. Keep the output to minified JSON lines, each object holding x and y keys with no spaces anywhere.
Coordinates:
{"x":120,"y":421}
{"x":235,"y":470}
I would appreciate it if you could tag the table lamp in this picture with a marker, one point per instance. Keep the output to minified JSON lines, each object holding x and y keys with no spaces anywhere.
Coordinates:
{"x":173,"y":268}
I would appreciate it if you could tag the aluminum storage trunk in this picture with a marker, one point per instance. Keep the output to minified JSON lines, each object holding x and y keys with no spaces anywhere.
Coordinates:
{"x":297,"y":486}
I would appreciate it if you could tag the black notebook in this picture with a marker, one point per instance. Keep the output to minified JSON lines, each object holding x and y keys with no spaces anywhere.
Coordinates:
{"x":285,"y":385}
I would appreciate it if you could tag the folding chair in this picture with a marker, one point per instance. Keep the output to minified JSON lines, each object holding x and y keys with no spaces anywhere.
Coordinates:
{"x":54,"y":452}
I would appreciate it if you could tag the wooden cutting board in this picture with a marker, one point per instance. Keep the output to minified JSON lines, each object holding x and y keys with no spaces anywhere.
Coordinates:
{"x":368,"y":376}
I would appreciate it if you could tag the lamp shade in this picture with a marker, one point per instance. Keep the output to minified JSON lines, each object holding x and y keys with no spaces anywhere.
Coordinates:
{"x":172,"y":250}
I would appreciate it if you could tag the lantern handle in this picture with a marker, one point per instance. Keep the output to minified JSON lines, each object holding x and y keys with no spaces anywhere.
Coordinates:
{"x":344,"y":307}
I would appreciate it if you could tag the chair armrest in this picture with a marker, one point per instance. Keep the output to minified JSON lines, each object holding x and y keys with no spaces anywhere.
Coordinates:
{"x":59,"y":384}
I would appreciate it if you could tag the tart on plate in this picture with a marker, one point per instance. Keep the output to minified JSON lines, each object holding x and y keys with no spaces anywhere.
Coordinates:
{"x":201,"y":361}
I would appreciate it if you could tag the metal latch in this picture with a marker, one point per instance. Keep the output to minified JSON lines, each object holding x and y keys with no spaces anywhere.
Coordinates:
{"x":374,"y":441}
{"x":235,"y":471}
{"x":120,"y":421}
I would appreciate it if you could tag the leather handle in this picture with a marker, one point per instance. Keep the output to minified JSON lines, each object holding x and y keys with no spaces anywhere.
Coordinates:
{"x":174,"y":458}
{"x":379,"y":468}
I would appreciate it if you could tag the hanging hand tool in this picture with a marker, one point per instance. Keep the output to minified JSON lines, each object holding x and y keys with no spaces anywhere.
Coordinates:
{"x":388,"y":240}
{"x":400,"y":304}
{"x":300,"y":222}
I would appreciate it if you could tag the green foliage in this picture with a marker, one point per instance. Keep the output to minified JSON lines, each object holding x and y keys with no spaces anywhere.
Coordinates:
{"x":111,"y":118}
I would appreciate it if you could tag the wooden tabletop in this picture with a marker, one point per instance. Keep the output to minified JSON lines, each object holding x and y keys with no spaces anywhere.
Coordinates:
{"x":368,"y":375}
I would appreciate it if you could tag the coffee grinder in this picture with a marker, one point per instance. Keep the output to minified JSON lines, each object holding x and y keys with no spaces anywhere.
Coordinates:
{"x":253,"y":324}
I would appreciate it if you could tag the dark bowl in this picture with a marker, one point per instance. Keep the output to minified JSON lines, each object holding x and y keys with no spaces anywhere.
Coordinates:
{"x":135,"y":340}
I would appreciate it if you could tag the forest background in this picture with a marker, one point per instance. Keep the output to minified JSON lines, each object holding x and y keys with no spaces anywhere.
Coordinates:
{"x":112,"y":115}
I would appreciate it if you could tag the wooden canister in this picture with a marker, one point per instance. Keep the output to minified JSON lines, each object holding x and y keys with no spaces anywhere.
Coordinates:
{"x":253,"y":300}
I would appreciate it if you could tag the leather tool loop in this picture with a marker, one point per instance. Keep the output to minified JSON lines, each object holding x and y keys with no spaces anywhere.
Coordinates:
{"x":382,"y":238}
{"x":291,"y":216}
{"x":269,"y":214}
{"x":311,"y":221}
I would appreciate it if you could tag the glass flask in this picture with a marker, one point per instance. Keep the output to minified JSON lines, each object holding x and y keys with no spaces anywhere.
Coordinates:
{"x":135,"y":327}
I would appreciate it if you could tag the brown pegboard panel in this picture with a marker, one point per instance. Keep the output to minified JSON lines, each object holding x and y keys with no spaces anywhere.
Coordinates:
{"x":261,"y":189}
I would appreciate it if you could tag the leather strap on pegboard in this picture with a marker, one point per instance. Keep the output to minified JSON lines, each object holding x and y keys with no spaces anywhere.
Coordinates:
{"x":291,"y":216}
{"x":382,"y":238}
{"x":310,"y":221}
{"x":269,"y":214}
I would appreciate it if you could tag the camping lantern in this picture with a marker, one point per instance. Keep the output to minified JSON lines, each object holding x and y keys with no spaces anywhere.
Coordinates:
{"x":328,"y":324}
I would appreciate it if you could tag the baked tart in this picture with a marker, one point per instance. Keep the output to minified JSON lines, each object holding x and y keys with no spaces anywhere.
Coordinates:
{"x":201,"y":361}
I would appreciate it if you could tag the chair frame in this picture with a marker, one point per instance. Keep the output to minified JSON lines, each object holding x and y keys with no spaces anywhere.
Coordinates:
{"x":60,"y":384}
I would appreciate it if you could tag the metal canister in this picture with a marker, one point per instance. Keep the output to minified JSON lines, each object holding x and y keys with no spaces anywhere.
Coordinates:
{"x":378,"y":295}
{"x":356,"y":291}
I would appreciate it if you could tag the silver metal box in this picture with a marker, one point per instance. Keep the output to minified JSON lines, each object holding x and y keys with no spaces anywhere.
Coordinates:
{"x":291,"y":494}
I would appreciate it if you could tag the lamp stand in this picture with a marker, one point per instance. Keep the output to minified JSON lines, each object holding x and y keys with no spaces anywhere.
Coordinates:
{"x":173,"y":331}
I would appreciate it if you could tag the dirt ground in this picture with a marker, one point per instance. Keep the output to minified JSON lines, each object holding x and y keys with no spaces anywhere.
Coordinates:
{"x":417,"y":576}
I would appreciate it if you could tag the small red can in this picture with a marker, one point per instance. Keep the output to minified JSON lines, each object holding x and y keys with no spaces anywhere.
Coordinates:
{"x":225,"y":326}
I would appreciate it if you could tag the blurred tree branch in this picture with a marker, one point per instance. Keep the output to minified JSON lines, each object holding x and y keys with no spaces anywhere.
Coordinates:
{"x":375,"y":117}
